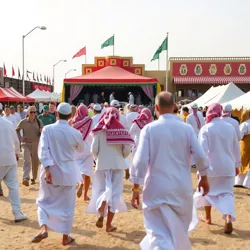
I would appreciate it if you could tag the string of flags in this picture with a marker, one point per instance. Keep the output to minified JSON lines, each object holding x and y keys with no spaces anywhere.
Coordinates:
{"x":31,"y":76}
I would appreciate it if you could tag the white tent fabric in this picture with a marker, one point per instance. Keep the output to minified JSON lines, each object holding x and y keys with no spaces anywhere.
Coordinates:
{"x":241,"y":102}
{"x":228,"y":93}
{"x":39,"y":96}
{"x":220,"y":94}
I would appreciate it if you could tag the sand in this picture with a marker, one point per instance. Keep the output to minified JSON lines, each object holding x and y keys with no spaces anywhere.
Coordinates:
{"x":130,"y":226}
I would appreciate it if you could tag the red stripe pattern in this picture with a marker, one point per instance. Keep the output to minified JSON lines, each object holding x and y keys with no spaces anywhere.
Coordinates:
{"x":212,"y":80}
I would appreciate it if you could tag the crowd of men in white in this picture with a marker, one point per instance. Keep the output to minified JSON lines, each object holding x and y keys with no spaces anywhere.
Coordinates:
{"x":163,"y":152}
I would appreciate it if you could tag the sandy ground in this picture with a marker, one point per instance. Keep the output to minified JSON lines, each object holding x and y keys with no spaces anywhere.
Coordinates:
{"x":130,"y":226}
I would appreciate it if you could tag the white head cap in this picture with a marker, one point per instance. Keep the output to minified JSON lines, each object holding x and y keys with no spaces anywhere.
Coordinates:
{"x":194,"y":106}
{"x":114,"y":103}
{"x":227,"y":108}
{"x":97,"y":107}
{"x":64,"y":108}
{"x":1,"y":106}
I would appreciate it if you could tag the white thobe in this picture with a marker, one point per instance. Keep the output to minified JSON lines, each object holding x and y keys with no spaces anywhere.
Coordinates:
{"x":192,"y":121}
{"x":111,"y":98}
{"x":167,"y":208}
{"x":85,"y":159}
{"x":131,"y":99}
{"x":9,"y":147}
{"x":123,"y":120}
{"x":12,"y":119}
{"x":244,"y":179}
{"x":220,"y":143}
{"x":17,"y":119}
{"x":178,"y":118}
{"x":235,"y":124}
{"x":129,"y":119}
{"x":95,"y":119}
{"x":57,"y":147}
{"x":40,"y":107}
{"x":108,"y":178}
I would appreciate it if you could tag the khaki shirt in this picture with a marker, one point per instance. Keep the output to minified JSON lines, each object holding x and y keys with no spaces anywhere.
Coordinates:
{"x":31,"y":130}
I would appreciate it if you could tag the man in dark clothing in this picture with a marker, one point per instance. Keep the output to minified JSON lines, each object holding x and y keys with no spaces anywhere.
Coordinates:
{"x":101,"y":98}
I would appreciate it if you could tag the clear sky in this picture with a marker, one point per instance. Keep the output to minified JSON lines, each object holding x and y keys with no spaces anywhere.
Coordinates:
{"x":196,"y":28}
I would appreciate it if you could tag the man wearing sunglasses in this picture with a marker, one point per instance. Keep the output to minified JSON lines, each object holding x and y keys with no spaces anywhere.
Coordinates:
{"x":32,"y":128}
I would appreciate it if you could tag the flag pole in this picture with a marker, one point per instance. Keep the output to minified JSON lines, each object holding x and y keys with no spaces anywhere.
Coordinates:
{"x":167,"y":64}
{"x":159,"y":63}
{"x":114,"y":45}
{"x":86,"y":54}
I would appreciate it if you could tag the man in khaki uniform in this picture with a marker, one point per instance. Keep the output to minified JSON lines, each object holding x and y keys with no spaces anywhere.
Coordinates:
{"x":32,"y":128}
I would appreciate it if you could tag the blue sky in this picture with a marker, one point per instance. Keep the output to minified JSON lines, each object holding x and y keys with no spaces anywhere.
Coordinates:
{"x":196,"y":28}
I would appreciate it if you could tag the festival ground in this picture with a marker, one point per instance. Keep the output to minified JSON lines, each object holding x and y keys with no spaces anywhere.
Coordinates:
{"x":130,"y":226}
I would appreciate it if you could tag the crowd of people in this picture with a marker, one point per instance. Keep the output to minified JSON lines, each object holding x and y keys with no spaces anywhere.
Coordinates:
{"x":101,"y":144}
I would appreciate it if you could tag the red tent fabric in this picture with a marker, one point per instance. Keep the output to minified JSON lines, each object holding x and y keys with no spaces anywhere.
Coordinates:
{"x":11,"y":95}
{"x":111,"y":74}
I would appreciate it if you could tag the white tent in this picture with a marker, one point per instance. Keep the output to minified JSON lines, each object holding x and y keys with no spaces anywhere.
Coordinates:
{"x":241,"y":102}
{"x":39,"y":96}
{"x":228,"y":93}
{"x":219,"y":94}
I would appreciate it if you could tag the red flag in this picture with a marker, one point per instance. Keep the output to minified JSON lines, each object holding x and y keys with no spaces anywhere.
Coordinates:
{"x":81,"y":52}
{"x":4,"y":70}
{"x":13,"y":71}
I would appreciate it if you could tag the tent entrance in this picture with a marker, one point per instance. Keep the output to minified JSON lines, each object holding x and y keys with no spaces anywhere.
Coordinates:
{"x":121,"y":93}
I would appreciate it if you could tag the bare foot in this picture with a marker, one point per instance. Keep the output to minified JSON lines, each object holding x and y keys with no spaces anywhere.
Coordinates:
{"x":99,"y":222}
{"x":67,"y":240}
{"x":205,"y":220}
{"x":79,"y":191}
{"x":110,"y":229}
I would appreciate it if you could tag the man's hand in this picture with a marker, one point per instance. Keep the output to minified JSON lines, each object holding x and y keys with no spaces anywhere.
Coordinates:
{"x":48,"y":176}
{"x":135,"y":202}
{"x":203,"y":183}
{"x":237,"y":171}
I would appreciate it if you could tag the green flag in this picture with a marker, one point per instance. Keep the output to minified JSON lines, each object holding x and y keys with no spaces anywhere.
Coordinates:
{"x":109,"y":42}
{"x":164,"y":46}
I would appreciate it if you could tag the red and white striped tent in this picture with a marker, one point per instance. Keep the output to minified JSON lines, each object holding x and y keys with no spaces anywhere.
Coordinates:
{"x":11,"y":95}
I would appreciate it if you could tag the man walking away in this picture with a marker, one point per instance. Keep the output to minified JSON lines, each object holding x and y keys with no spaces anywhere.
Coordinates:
{"x":9,"y":150}
{"x":59,"y":176}
{"x":162,"y":162}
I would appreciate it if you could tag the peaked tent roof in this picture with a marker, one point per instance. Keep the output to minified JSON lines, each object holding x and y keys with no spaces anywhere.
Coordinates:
{"x":11,"y":95}
{"x":219,"y":94}
{"x":241,"y":102}
{"x":39,"y":96}
{"x":111,"y":74}
{"x":230,"y":92}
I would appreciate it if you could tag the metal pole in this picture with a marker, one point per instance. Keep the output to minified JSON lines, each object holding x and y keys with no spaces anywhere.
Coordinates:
{"x":114,"y":46}
{"x":53,"y":75}
{"x":23,"y":81}
{"x":159,"y":63}
{"x":167,"y":65}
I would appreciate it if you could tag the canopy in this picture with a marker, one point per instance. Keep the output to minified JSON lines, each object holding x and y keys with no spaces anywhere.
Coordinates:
{"x":110,"y":76}
{"x":228,"y":93}
{"x":12,"y":95}
{"x":39,"y":96}
{"x":241,"y":102}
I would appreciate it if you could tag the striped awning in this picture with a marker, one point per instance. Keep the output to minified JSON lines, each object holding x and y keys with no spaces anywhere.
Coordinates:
{"x":212,"y":80}
{"x":11,"y":95}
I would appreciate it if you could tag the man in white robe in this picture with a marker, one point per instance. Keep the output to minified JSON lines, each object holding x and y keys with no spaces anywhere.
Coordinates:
{"x":196,"y":119}
{"x":220,"y":143}
{"x":131,"y":116}
{"x":9,"y":151}
{"x":165,"y":171}
{"x":97,"y":114}
{"x":131,"y":98}
{"x":59,"y":176}
{"x":226,"y":116}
